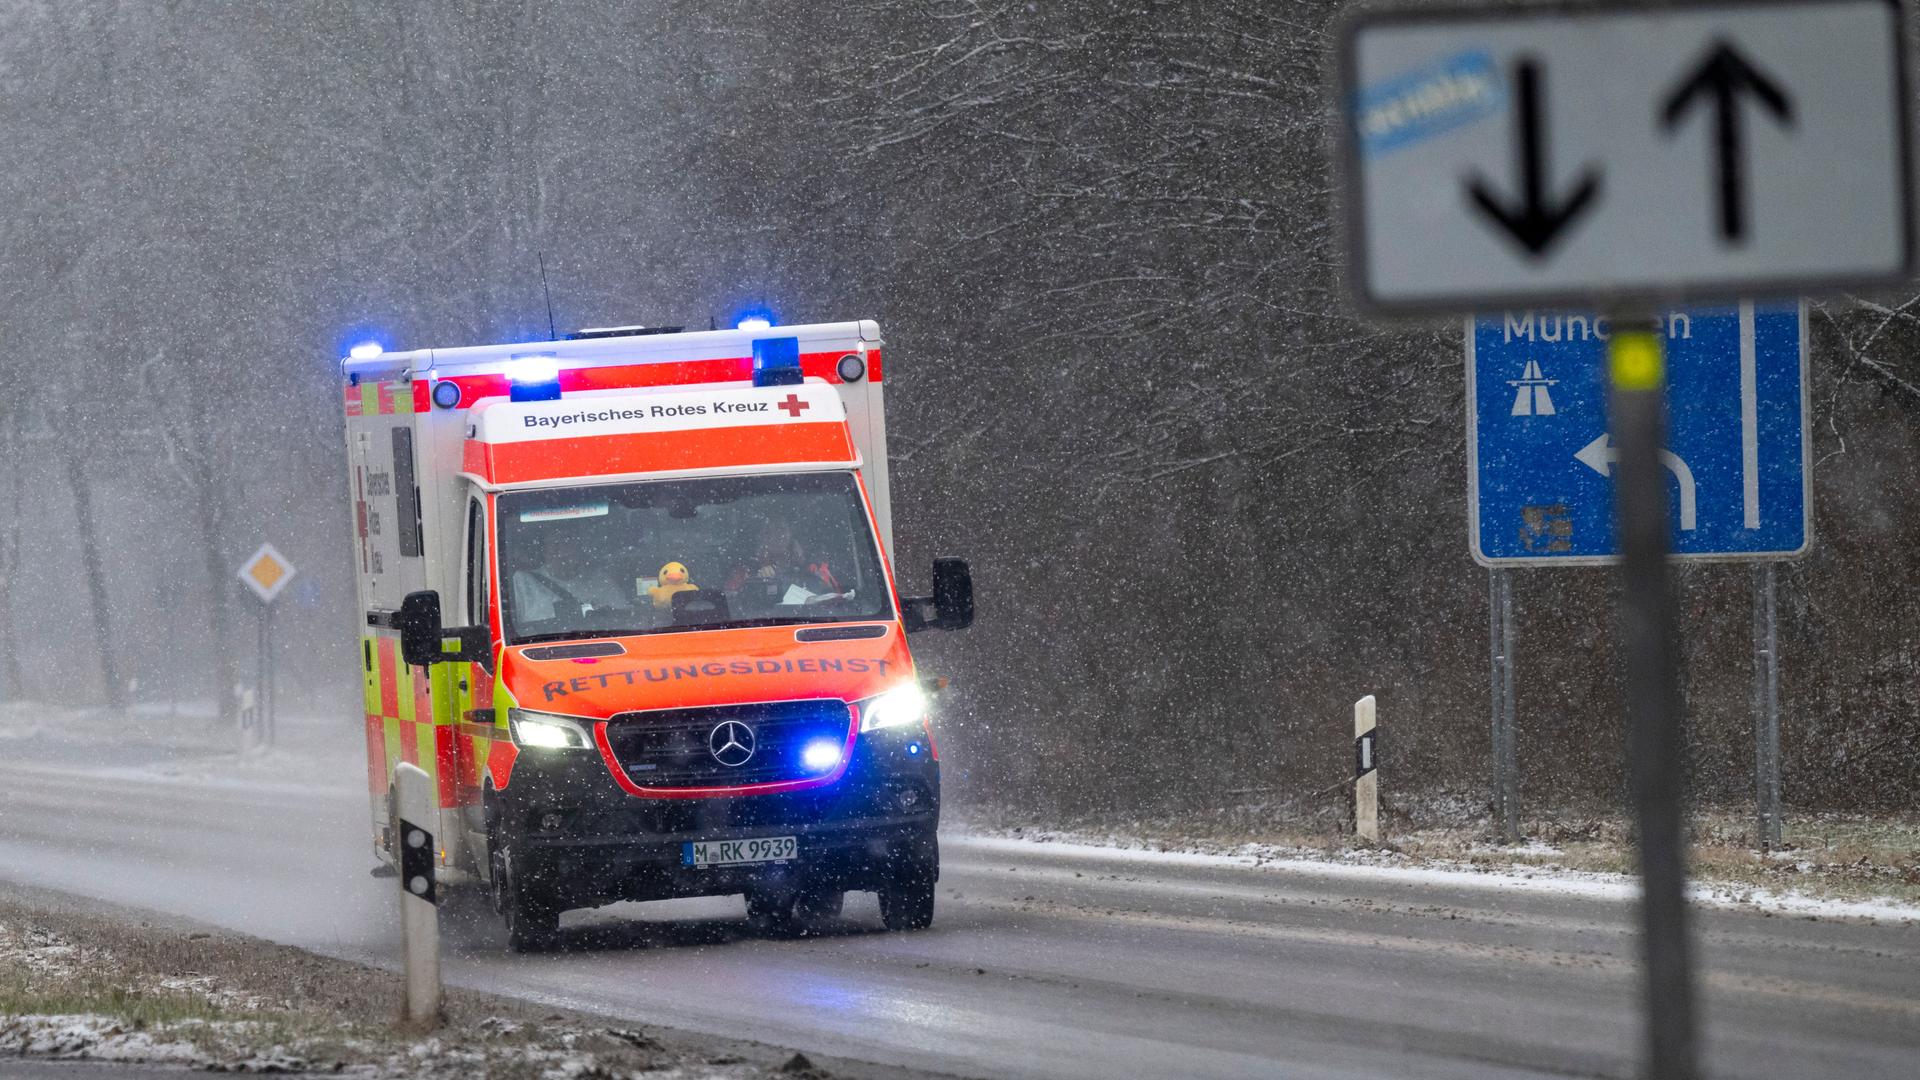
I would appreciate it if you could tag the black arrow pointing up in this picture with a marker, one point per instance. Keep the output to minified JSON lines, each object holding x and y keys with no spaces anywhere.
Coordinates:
{"x":1721,"y":77}
{"x":1536,"y":223}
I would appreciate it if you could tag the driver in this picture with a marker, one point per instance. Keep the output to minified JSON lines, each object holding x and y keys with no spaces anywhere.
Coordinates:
{"x":777,"y":558}
{"x":561,"y":574}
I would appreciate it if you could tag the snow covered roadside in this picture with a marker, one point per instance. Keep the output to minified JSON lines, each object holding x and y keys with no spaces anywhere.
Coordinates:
{"x":1382,"y":866}
{"x":86,"y":982}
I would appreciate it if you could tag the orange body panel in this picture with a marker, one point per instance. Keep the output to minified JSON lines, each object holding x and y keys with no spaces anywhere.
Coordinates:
{"x":708,"y":667}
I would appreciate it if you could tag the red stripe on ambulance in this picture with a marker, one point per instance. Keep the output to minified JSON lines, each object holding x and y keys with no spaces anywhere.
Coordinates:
{"x":659,"y":451}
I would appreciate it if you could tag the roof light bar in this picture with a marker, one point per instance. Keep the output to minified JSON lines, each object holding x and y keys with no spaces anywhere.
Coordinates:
{"x":592,"y":332}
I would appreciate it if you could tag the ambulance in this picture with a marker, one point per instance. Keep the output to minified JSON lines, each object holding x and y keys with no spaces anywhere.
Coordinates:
{"x":629,"y":600}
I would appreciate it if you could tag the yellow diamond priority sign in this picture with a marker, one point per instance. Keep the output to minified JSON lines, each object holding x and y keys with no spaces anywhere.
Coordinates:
{"x":266,"y":572}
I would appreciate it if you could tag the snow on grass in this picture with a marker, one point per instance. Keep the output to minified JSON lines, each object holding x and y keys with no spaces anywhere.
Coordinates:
{"x":1393,"y":868}
{"x":38,"y":950}
{"x":204,"y":988}
{"x":89,"y":1037}
{"x":556,"y":1052}
{"x":102,"y":990}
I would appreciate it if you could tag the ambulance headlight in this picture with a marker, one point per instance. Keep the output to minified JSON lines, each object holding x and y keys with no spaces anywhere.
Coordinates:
{"x":903,"y":705}
{"x":546,"y":731}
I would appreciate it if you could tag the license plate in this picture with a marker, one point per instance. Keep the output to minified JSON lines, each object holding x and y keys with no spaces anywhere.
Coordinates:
{"x":699,"y":853}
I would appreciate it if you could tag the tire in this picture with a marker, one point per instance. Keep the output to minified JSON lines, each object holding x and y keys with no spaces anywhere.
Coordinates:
{"x":532,"y":918}
{"x":906,"y":902}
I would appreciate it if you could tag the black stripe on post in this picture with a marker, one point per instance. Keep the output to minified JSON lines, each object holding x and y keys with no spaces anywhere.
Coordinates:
{"x":1366,"y":754}
{"x":416,"y":861}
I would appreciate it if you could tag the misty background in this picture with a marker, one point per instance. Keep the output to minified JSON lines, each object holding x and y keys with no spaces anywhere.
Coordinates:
{"x":1206,"y":505}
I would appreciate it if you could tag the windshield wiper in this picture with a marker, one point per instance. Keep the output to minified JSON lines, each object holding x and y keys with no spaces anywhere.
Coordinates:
{"x":580,"y":635}
{"x":723,"y":624}
{"x":785,"y":620}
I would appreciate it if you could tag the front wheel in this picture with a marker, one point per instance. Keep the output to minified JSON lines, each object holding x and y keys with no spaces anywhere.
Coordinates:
{"x":906,"y":901}
{"x":532,"y":918}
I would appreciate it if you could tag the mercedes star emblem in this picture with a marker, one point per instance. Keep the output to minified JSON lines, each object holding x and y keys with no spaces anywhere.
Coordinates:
{"x":732,"y":743}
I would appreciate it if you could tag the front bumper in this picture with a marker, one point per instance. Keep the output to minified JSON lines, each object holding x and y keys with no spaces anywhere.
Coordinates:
{"x":588,"y":842}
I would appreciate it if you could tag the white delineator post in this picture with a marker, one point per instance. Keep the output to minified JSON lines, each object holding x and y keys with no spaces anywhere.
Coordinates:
{"x":1366,"y":773}
{"x":419,"y":911}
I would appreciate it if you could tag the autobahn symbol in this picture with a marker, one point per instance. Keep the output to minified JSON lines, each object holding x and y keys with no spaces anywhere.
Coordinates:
{"x":1541,"y":483}
{"x":1527,"y":157}
{"x":1532,"y":395}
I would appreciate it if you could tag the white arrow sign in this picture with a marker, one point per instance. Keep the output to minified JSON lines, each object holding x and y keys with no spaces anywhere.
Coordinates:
{"x":1516,"y":156}
{"x":1600,"y":454}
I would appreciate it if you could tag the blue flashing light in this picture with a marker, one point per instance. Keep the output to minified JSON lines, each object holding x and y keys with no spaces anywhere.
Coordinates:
{"x":366,"y":350}
{"x":533,"y":378}
{"x":754,"y":318}
{"x":913,"y":749}
{"x":820,"y":755}
{"x":776,"y":361}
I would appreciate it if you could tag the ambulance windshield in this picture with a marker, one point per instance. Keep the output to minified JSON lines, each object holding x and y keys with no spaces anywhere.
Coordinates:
{"x":668,"y":555}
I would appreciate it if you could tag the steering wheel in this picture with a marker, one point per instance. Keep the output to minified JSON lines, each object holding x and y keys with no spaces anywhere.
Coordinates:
{"x":762,"y":593}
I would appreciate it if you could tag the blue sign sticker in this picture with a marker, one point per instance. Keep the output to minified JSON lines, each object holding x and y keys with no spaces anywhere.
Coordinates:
{"x":1542,"y":464}
{"x":1445,"y":94}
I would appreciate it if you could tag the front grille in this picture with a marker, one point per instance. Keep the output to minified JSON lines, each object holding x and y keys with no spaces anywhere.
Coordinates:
{"x":671,"y":748}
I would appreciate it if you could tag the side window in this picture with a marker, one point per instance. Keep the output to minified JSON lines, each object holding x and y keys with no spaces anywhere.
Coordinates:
{"x":476,"y":563}
{"x":406,"y":495}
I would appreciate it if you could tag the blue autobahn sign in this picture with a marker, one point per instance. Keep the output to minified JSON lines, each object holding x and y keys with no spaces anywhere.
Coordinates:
{"x":1541,"y":464}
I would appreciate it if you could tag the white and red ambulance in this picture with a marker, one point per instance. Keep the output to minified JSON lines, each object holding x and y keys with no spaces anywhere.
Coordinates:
{"x":629,"y":600}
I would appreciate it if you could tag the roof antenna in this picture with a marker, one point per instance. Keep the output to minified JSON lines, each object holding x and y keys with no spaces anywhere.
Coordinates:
{"x":552,"y":334}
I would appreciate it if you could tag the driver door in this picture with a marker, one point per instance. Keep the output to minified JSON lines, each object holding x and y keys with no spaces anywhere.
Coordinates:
{"x":476,"y":727}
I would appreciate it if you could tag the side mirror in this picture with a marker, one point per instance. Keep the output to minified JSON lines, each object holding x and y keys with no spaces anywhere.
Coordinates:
{"x":424,"y":641}
{"x":418,"y":621}
{"x":953,"y":593}
{"x":951,"y":602}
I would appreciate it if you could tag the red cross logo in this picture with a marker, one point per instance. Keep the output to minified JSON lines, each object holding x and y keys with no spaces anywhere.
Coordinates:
{"x":793,"y":405}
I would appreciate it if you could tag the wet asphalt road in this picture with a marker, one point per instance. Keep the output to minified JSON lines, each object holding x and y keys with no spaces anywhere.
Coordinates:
{"x":1041,"y":962}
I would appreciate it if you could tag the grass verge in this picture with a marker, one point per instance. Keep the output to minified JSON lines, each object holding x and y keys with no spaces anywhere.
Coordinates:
{"x":1825,"y":856}
{"x":84,"y":981}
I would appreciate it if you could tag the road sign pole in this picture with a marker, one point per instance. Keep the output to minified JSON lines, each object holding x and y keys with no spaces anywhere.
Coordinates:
{"x":1636,"y":365}
{"x":1766,"y":709}
{"x":260,"y":704}
{"x":266,"y":572}
{"x":270,"y":701}
{"x":1506,"y":758}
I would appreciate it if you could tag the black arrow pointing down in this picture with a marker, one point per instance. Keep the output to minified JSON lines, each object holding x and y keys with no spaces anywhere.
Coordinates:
{"x":1536,"y":223}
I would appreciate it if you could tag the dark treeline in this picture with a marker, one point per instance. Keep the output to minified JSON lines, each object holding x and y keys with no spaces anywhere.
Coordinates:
{"x":1207,"y":506}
